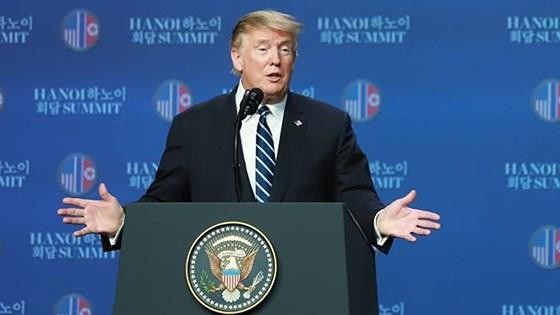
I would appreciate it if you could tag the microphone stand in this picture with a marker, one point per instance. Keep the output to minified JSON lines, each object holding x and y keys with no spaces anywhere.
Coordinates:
{"x":236,"y":165}
{"x":248,"y":106}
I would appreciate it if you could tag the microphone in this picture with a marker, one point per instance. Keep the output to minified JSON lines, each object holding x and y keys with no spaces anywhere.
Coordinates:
{"x":248,"y":106}
{"x":250,"y":102}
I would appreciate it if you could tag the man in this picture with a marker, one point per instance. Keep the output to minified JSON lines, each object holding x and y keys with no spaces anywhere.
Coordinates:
{"x":295,"y":149}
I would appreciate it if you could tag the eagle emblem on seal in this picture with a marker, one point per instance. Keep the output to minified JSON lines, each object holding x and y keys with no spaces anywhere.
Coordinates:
{"x":231,"y":267}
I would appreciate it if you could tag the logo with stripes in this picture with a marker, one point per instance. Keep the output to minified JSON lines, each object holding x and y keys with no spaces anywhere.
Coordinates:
{"x":230,"y":278}
{"x":172,"y":97}
{"x":546,"y":100}
{"x":77,"y":174}
{"x":80,"y":30}
{"x":231,"y":267}
{"x":361,"y":100}
{"x":73,"y":304}
{"x":1,"y":100}
{"x":544,"y":247}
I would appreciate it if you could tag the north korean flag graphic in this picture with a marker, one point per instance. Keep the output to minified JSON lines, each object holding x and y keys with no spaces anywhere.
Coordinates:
{"x":557,"y":247}
{"x":545,"y":247}
{"x":172,"y":97}
{"x":81,"y":30}
{"x":73,"y":304}
{"x":77,"y":175}
{"x":547,"y":100}
{"x":361,"y":100}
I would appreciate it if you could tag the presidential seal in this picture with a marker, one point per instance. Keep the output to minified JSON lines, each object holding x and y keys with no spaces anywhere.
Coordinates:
{"x":231,"y":267}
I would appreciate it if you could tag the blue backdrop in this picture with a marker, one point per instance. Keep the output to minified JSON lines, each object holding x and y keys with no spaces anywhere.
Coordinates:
{"x":459,"y":100}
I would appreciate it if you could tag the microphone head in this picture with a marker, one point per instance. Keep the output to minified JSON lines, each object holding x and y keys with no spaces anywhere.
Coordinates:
{"x":254,"y":98}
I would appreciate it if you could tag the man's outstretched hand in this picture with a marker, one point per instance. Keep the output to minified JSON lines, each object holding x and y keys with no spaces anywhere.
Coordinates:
{"x":399,"y":220}
{"x":103,"y":216}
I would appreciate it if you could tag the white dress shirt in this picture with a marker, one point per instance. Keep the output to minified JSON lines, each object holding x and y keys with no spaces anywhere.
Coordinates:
{"x":248,"y":132}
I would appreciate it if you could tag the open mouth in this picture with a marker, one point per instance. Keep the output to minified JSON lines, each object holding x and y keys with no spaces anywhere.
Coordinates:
{"x":274,"y":76}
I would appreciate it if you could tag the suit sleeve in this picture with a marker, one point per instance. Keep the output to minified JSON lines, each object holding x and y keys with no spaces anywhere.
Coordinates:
{"x":354,"y":186}
{"x":171,"y":182}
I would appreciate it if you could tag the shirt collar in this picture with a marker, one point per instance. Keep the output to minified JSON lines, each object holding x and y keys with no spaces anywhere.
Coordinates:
{"x":276,"y":109}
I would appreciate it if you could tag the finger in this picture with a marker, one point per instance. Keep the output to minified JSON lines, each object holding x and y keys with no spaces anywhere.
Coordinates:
{"x":428,"y":224}
{"x":421,"y":231}
{"x":74,"y":220}
{"x":76,"y":202}
{"x":82,"y":232}
{"x":104,"y":193}
{"x":406,"y":236}
{"x":410,"y":238}
{"x":71,"y":212}
{"x":409,"y":198}
{"x":428,"y":215}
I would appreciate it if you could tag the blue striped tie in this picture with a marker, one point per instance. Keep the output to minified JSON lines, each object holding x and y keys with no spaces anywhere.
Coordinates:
{"x":265,"y":163}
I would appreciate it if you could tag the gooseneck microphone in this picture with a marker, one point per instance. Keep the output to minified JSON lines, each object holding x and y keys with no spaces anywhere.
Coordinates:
{"x":249,"y":104}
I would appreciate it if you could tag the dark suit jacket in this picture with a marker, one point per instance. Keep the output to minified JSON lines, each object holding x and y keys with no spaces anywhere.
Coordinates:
{"x":318,"y":161}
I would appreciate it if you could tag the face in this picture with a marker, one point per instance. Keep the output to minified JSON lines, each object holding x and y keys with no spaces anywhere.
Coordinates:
{"x":265,"y":60}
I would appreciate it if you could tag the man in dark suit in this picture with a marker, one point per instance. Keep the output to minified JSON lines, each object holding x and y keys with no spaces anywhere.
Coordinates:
{"x":294,"y":149}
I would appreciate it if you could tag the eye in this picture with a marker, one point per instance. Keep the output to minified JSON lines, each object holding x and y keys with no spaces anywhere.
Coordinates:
{"x":286,"y":50}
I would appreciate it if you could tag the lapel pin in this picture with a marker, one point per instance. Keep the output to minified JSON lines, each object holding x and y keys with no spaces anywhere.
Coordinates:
{"x":298,"y":123}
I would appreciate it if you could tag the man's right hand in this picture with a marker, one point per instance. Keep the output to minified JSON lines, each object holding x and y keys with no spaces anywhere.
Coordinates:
{"x":103,"y":216}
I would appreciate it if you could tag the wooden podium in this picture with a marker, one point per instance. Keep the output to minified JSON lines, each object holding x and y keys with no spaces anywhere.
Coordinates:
{"x":325,"y":265}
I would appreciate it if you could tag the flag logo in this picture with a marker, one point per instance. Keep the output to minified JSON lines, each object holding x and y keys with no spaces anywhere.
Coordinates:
{"x":80,"y":30}
{"x":172,"y":97}
{"x":77,"y":174}
{"x":544,"y":247}
{"x":1,"y":100}
{"x":546,"y":100}
{"x":73,"y":304}
{"x":231,"y":267}
{"x":361,"y":100}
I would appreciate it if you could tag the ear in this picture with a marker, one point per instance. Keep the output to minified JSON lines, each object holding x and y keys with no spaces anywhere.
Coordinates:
{"x":294,"y":62}
{"x":236,"y":59}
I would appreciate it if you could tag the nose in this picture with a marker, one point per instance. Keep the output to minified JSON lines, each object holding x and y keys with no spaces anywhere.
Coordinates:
{"x":275,"y":56}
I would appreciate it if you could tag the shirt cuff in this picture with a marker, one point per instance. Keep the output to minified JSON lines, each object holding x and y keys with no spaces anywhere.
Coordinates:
{"x":379,"y":238}
{"x":113,"y":240}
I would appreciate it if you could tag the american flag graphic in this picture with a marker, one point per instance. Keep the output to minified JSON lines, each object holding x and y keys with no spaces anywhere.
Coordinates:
{"x":81,"y":30}
{"x":73,"y":304}
{"x":78,"y":174}
{"x":545,"y":247}
{"x":547,"y":100}
{"x":361,"y":100}
{"x":173,"y":97}
{"x":231,"y":278}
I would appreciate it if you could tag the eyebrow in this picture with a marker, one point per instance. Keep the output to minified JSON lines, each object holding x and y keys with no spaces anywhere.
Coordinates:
{"x":266,"y":41}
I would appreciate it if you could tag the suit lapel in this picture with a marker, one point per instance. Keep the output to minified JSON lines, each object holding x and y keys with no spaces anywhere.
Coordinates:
{"x":293,"y":131}
{"x":224,"y":128}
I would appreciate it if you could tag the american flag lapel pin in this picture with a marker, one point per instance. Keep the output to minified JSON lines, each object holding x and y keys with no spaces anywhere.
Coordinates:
{"x":298,"y":123}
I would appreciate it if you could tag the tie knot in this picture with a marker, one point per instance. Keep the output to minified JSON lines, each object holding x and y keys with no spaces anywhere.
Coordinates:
{"x":263,"y":110}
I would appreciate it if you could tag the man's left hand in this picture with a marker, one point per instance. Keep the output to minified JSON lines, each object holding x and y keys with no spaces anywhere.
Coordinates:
{"x":399,"y":220}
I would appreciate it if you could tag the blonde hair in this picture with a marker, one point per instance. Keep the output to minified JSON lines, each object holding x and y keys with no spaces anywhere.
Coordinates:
{"x":265,"y":18}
